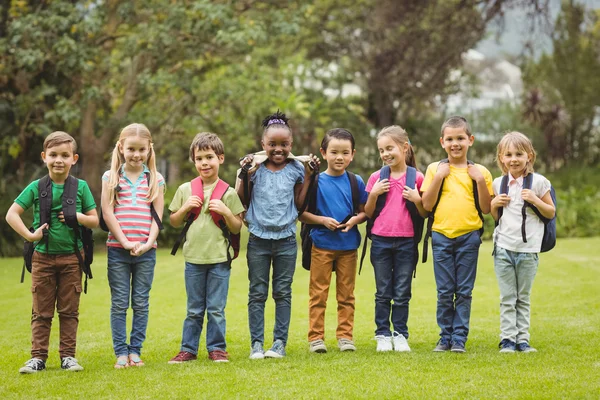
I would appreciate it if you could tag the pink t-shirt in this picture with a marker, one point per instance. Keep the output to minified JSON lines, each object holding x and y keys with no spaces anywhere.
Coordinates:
{"x":394,"y":220}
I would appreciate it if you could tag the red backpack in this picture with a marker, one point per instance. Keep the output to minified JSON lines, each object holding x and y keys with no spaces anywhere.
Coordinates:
{"x":233,"y":240}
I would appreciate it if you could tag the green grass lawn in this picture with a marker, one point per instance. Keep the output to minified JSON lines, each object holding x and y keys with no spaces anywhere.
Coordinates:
{"x":565,"y":327}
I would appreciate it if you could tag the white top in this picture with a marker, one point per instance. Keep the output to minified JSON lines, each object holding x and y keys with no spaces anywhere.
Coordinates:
{"x":508,"y":233}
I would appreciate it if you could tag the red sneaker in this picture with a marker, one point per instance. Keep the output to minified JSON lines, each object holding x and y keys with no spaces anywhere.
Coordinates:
{"x":218,"y":356}
{"x":182,"y":357}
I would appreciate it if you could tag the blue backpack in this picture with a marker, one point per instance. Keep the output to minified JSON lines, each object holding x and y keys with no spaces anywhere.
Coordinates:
{"x":549,"y":238}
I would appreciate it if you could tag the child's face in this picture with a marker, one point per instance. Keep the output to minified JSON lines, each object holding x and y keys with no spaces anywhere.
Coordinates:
{"x":135,"y":150}
{"x":515,"y":160}
{"x":456,"y":142}
{"x":207,"y":164}
{"x":59,"y":160}
{"x":277,"y":142}
{"x":338,"y":155}
{"x":392,"y":153}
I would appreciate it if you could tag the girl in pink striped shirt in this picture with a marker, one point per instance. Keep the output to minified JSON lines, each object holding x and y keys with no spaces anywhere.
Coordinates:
{"x":132,"y":193}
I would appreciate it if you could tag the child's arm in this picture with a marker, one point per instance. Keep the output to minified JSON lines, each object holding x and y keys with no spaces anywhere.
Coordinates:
{"x":482,"y":189}
{"x":108,"y":213}
{"x":176,"y":218}
{"x":544,"y":205}
{"x":431,"y":194}
{"x":233,"y":222}
{"x":301,"y":189}
{"x":159,"y":206}
{"x":310,"y":218}
{"x":379,"y":188}
{"x":88,"y":219}
{"x":13,"y":217}
{"x":414,"y":197}
{"x":240,"y":188}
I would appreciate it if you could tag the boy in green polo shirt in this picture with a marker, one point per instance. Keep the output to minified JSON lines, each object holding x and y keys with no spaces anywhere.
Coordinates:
{"x":55,"y":273}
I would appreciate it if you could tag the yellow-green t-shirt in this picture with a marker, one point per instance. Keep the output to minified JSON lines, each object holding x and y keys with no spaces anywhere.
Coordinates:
{"x":456,"y":214}
{"x":205,"y":243}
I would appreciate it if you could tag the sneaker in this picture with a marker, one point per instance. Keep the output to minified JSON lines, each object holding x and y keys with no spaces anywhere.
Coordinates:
{"x":442,"y":345}
{"x":218,"y":356}
{"x":32,"y":366}
{"x":524,"y":347}
{"x":257,"y":352}
{"x":183,"y":356}
{"x":384,"y":343}
{"x":507,"y":346}
{"x":317,"y":346}
{"x":276,"y":351}
{"x":458,"y":347}
{"x":70,"y":364}
{"x":400,"y":343}
{"x":346,"y":345}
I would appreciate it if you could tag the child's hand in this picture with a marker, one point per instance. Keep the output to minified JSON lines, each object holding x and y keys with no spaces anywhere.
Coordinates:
{"x":312,"y":166}
{"x":411,"y":195}
{"x":443,"y":170}
{"x":474,"y":172}
{"x":131,"y":245}
{"x":502,"y":200}
{"x":61,"y":217}
{"x":529,"y":196}
{"x":218,"y":206}
{"x":348,"y":225}
{"x":192,"y":202}
{"x":141,"y":249}
{"x":247,"y":159}
{"x":38,"y":234}
{"x":380,"y":187}
{"x":330,"y":223}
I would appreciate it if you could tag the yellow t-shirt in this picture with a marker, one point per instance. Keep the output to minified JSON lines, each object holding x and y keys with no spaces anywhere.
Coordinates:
{"x":456,"y":214}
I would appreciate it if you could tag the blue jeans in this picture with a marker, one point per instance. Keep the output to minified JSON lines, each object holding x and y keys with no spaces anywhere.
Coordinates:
{"x":206,"y":286}
{"x":393,"y":260}
{"x":455,"y":268}
{"x":129,"y":277}
{"x":260,"y":254}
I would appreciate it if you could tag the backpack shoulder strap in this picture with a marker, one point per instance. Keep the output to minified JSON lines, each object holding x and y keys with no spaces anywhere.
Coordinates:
{"x":218,"y":193}
{"x":45,"y":199}
{"x":503,"y":190}
{"x":197,"y":190}
{"x":153,"y":212}
{"x":69,"y":202}
{"x":354,"y":190}
{"x":476,"y":200}
{"x":430,"y":219}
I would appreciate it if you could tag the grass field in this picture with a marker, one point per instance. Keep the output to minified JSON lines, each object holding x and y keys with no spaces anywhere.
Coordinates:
{"x":565,"y":330}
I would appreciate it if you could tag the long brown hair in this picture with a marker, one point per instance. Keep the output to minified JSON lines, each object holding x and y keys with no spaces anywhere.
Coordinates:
{"x":400,"y":137}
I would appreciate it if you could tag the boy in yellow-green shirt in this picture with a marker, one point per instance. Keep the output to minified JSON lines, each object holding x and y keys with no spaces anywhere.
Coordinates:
{"x":466,"y":190}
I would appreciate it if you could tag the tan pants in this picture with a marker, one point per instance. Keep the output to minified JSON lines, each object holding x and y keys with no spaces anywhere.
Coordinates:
{"x":55,"y":280}
{"x":320,"y":280}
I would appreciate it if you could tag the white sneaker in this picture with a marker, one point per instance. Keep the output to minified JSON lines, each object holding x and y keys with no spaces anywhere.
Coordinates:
{"x":400,"y":343}
{"x":70,"y":364}
{"x":317,"y":346}
{"x":346,"y":345}
{"x":384,"y":343}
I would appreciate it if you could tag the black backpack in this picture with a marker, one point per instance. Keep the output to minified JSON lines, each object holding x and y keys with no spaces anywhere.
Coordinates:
{"x":417,"y":220}
{"x":549,"y":238}
{"x":69,"y":209}
{"x":311,"y":205}
{"x":431,"y":215}
{"x":155,"y":216}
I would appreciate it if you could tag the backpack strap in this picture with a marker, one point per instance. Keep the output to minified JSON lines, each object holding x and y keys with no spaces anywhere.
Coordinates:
{"x":431,"y":216}
{"x":476,"y":200}
{"x":246,"y":184}
{"x":218,"y":193}
{"x":527,"y":181}
{"x":416,"y":218}
{"x":197,"y":190}
{"x":152,"y":210}
{"x":45,"y":199}
{"x":503,"y":190}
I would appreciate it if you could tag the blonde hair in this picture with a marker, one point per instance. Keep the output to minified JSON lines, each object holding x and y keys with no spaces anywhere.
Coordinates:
{"x":521,"y":143}
{"x":59,"y":137}
{"x":139,"y":130}
{"x":206,"y":141}
{"x":400,"y":137}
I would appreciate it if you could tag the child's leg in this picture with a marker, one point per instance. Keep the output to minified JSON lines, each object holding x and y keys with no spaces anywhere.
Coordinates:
{"x":504,"y":266}
{"x":321,"y":265}
{"x":466,"y":253}
{"x":382,"y":259}
{"x":119,"y":276}
{"x":527,"y":264}
{"x":258,"y":255}
{"x":445,"y":280}
{"x":43,"y":290}
{"x":142,"y":275}
{"x":345,"y":273}
{"x":68,"y":293}
{"x":284,"y":265}
{"x":217,"y":287}
{"x":403,"y":259}
{"x":195,"y":288}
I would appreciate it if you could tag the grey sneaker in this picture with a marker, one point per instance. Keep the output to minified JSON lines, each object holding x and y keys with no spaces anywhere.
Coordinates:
{"x":276,"y":351}
{"x":70,"y":364}
{"x":524,"y":347}
{"x":507,"y":346}
{"x":442,"y":345}
{"x":317,"y":346}
{"x":257,"y":352}
{"x":458,"y":347}
{"x":33,"y":365}
{"x":346,"y":345}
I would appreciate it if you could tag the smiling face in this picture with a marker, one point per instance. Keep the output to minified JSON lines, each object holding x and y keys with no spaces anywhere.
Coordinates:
{"x":391,"y":152}
{"x":456,"y":143}
{"x":135,"y":151}
{"x":207,"y":164}
{"x":339,"y":155}
{"x":59,"y":159}
{"x":277,"y":142}
{"x":515,"y":160}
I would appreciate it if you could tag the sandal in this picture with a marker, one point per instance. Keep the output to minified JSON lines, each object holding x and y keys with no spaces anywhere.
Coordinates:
{"x":135,"y":360}
{"x":122,"y":362}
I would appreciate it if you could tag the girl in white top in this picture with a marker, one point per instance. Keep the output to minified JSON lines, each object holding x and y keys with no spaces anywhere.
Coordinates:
{"x":516,"y":260}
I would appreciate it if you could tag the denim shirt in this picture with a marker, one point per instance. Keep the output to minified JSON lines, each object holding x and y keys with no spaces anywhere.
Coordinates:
{"x":272,"y":213}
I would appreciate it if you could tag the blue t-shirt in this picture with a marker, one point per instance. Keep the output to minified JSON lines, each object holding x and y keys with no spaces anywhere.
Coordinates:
{"x":272,"y":213}
{"x":334,"y":199}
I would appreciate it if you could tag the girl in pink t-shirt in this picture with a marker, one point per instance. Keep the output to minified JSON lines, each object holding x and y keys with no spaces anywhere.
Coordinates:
{"x":392,"y":249}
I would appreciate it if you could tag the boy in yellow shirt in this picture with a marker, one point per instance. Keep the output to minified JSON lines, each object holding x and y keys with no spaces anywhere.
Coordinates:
{"x":466,"y":190}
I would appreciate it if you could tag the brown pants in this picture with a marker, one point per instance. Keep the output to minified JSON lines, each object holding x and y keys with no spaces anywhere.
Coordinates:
{"x":320,"y":279}
{"x":55,"y":280}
